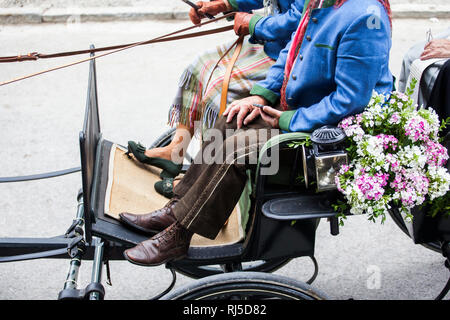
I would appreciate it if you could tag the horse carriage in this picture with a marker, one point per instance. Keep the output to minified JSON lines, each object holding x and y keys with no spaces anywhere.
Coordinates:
{"x":281,"y":221}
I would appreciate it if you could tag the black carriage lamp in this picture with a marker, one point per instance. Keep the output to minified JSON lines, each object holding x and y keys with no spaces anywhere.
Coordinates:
{"x":328,"y":137}
{"x":329,"y":155}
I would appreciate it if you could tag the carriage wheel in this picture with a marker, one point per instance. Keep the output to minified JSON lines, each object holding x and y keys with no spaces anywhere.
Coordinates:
{"x":197,"y":272}
{"x":246,"y":286}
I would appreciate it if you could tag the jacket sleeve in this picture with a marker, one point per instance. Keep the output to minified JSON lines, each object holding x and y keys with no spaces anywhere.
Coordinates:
{"x":246,"y":5}
{"x":276,"y":27}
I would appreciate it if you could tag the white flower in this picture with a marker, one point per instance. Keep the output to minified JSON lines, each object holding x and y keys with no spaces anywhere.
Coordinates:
{"x":387,"y":166}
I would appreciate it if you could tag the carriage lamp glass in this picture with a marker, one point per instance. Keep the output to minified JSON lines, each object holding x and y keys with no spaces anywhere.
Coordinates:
{"x":327,"y":166}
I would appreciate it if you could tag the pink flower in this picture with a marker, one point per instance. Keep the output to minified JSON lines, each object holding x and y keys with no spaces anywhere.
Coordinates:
{"x":417,"y":129}
{"x":344,"y":169}
{"x":344,"y":124}
{"x":411,"y":186}
{"x":359,"y":118}
{"x":387,"y":141}
{"x":372,"y":187}
{"x":437,"y":155}
{"x":354,"y":130}
{"x":395,"y":118}
{"x":402,"y":96}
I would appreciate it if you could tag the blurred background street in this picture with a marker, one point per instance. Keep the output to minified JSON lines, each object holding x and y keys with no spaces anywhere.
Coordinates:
{"x":40,"y":119}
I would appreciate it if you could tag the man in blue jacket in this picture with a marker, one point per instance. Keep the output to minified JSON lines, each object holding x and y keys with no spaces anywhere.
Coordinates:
{"x":344,"y":56}
{"x":199,"y":93}
{"x":337,"y":57}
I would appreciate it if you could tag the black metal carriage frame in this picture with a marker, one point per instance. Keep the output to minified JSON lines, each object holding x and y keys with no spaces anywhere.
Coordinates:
{"x":271,"y":239}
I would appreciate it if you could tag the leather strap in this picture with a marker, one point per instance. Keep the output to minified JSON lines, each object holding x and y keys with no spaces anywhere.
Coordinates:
{"x":227,"y":77}
{"x":35,"y":55}
{"x":164,"y":38}
{"x":217,"y":64}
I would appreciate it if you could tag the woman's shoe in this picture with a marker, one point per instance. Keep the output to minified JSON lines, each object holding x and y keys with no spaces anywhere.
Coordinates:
{"x":165,"y":187}
{"x":138,"y":150}
{"x":170,"y":168}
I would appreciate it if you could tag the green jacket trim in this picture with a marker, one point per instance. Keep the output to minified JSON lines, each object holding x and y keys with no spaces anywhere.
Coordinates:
{"x":234,"y":4}
{"x":253,"y":21}
{"x":285,"y":120}
{"x":267,"y":94}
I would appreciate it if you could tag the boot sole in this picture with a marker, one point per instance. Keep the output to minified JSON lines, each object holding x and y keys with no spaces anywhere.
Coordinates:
{"x":139,"y":228}
{"x":154,"y":264}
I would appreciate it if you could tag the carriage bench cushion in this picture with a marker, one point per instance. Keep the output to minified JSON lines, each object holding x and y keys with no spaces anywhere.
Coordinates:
{"x":130,"y":189}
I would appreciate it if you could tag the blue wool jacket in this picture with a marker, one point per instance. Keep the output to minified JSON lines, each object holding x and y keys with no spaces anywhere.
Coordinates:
{"x":274,"y":32}
{"x":343,"y":58}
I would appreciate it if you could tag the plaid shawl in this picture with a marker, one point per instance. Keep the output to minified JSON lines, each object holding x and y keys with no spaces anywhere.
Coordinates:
{"x":194,"y":102}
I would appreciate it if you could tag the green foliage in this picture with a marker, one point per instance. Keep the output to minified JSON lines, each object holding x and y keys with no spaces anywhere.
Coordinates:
{"x":295,"y":144}
{"x":341,"y":208}
{"x":440,"y":205}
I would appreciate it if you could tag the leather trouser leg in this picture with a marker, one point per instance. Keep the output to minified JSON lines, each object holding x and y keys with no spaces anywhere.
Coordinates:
{"x":209,"y":191}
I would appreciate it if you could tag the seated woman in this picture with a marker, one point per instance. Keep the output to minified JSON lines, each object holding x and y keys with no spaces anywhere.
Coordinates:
{"x":424,"y":51}
{"x":433,"y":88}
{"x":337,"y":57}
{"x":199,"y":93}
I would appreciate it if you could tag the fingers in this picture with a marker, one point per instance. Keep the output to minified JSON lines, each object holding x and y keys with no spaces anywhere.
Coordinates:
{"x":232,"y":112}
{"x":247,"y":105}
{"x":426,"y":56}
{"x":271,"y":111}
{"x":268,"y":118}
{"x":200,"y":5}
{"x":252,"y":116}
{"x":243,"y":111}
{"x":233,"y":104}
{"x":196,"y":16}
{"x":213,"y":7}
{"x":430,"y":54}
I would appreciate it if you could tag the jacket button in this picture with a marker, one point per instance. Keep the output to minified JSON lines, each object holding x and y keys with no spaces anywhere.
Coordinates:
{"x":300,"y":57}
{"x":294,"y":77}
{"x":308,"y":38}
{"x":315,"y":20}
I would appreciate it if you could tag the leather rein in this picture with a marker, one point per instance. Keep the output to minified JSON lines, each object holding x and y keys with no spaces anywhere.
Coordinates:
{"x":112,"y":49}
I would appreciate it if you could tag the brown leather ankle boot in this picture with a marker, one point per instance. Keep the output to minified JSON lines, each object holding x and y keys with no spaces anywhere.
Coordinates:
{"x":168,"y":245}
{"x":152,"y":222}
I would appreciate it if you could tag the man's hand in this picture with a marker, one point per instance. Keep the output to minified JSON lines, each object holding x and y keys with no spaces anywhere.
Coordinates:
{"x":211,"y":7}
{"x":241,"y":23}
{"x":438,"y":48}
{"x":271,"y":116}
{"x":244,"y":109}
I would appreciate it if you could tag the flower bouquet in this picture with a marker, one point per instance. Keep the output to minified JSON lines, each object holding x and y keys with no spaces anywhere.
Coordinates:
{"x":396,"y":159}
